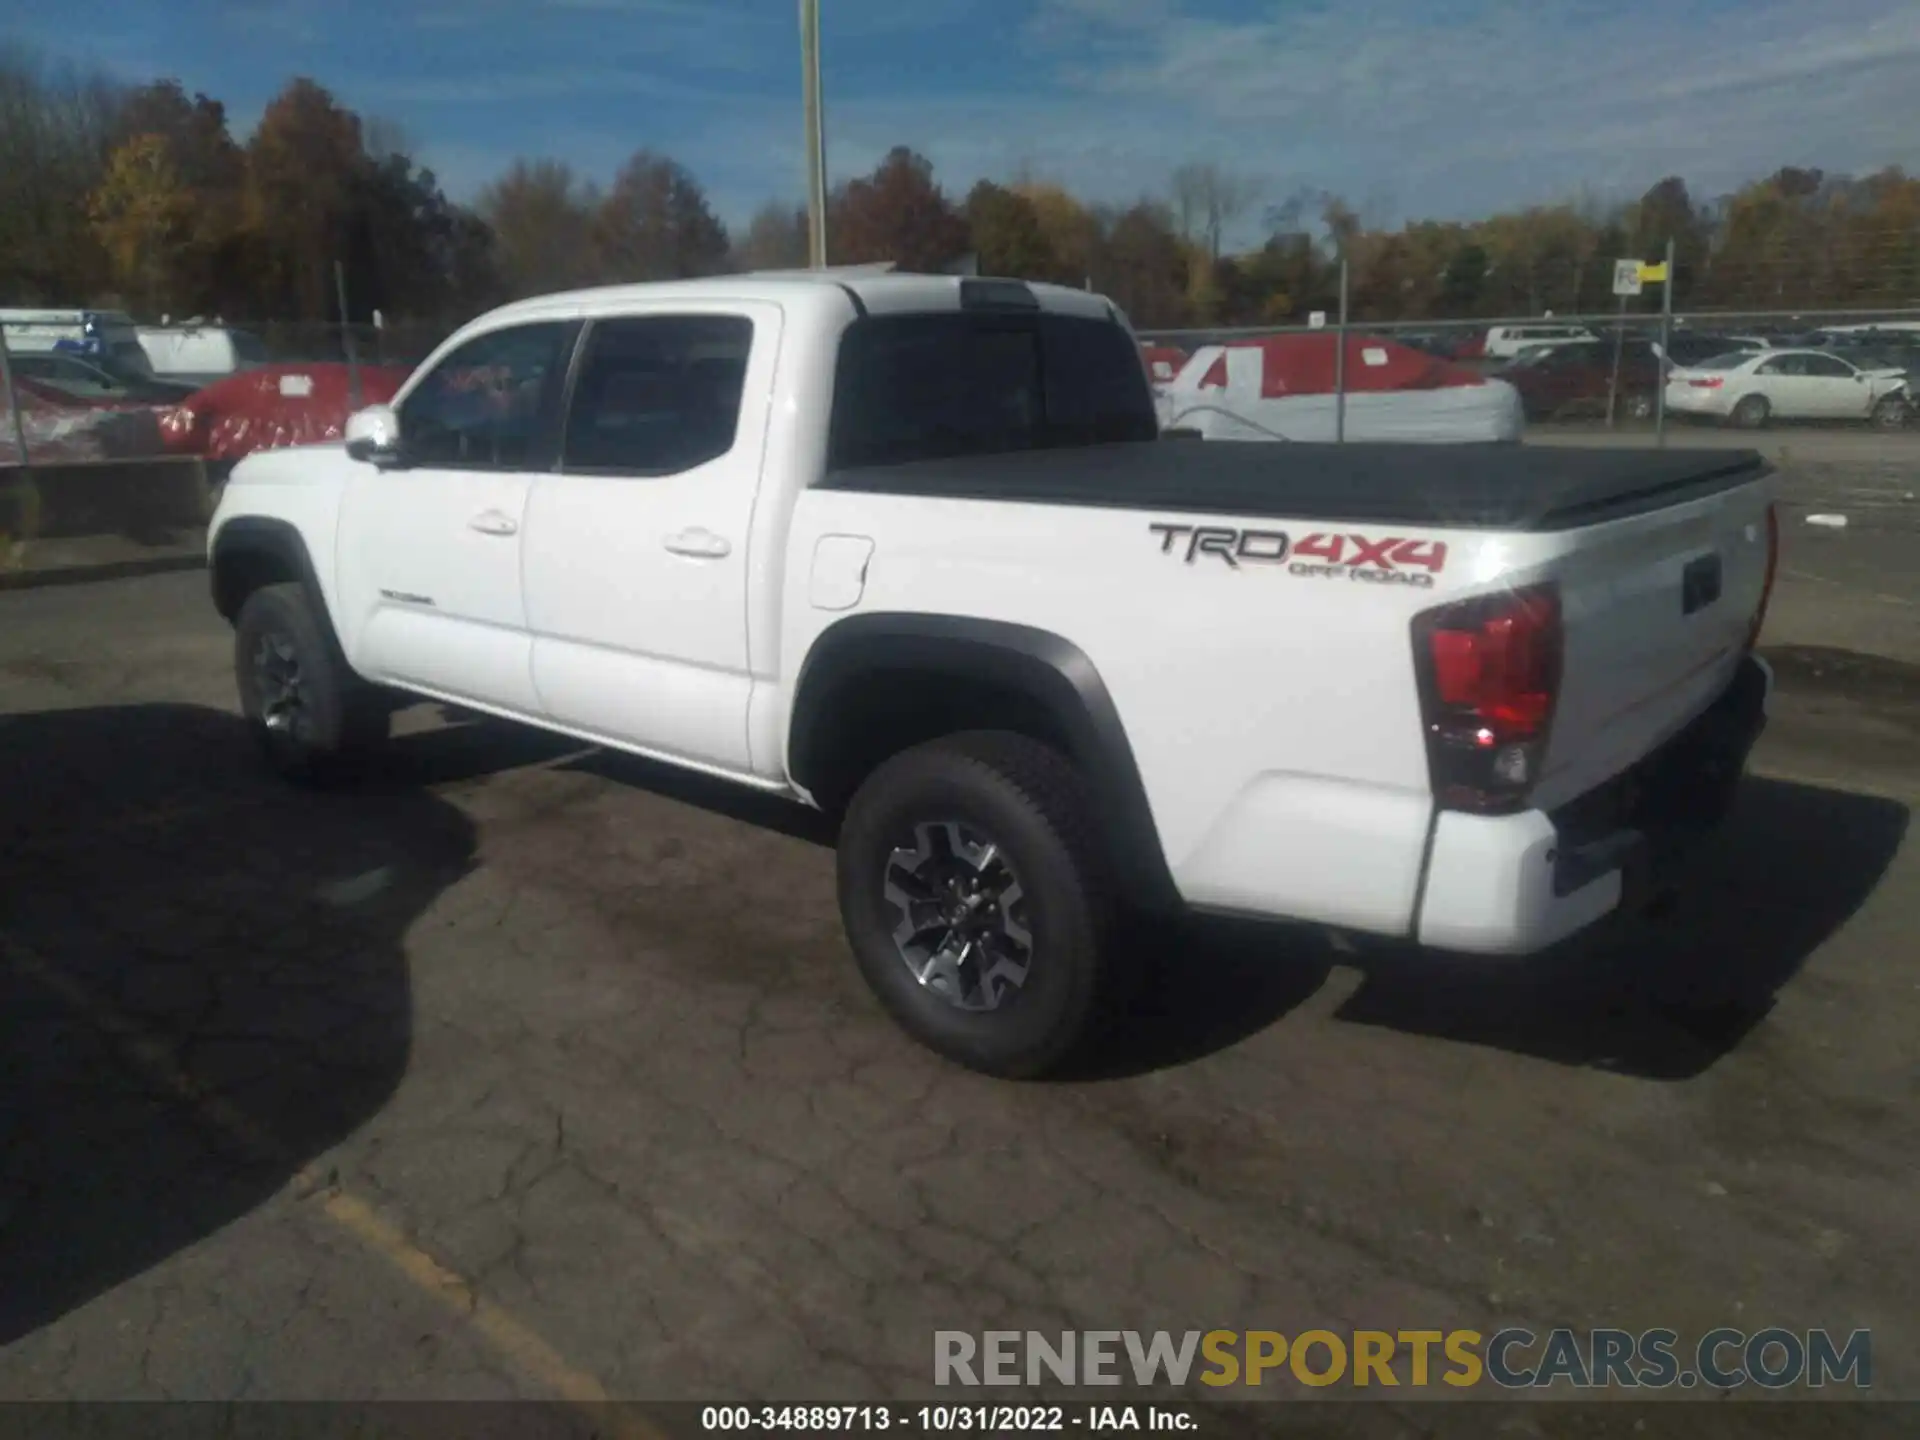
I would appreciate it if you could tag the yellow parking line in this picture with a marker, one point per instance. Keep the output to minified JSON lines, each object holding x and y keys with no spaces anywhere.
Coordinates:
{"x":515,"y":1341}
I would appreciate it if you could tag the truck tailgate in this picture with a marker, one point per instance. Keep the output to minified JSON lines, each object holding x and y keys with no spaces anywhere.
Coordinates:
{"x":1658,"y":608}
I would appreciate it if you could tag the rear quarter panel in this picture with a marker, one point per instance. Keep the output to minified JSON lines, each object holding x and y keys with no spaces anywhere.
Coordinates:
{"x":1273,"y":715}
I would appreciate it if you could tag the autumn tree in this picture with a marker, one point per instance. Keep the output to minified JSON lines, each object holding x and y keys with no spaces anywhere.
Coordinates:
{"x":57,"y":129}
{"x":410,"y":250}
{"x":1070,"y":229}
{"x":776,"y":239}
{"x":208,"y":272}
{"x":303,"y":169}
{"x":898,"y":213}
{"x":143,"y":215}
{"x":542,"y":217}
{"x":1666,"y":213}
{"x":1142,"y":264}
{"x":1006,"y":233}
{"x":656,"y":224}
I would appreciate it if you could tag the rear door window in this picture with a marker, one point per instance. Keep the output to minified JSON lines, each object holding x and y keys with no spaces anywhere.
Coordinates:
{"x":924,"y":387}
{"x":1826,"y":367}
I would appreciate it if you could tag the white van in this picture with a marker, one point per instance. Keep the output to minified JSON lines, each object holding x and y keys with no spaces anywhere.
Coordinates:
{"x":1506,"y":341}
{"x":200,"y":354}
{"x":106,"y":338}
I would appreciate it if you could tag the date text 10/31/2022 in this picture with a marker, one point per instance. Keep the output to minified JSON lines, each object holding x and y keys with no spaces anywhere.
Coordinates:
{"x":943,"y":1419}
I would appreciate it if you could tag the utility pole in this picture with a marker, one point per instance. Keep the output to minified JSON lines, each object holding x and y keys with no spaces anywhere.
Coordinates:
{"x":346,"y":336}
{"x":1666,"y":345}
{"x":1340,"y":365}
{"x":816,"y":135}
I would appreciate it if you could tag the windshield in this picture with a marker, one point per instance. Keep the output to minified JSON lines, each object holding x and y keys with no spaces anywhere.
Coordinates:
{"x":126,"y":362}
{"x":249,"y":348}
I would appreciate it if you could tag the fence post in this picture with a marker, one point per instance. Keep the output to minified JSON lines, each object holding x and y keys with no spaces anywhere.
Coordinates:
{"x":1340,"y":365}
{"x":27,"y":496}
{"x":346,"y":337}
{"x":1619,"y":337}
{"x":1666,"y":344}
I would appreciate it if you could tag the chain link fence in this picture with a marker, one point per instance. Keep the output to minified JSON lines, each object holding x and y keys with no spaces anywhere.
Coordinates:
{"x":311,"y":343}
{"x":1608,"y":366}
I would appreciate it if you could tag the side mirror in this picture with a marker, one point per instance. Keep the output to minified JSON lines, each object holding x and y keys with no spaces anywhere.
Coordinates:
{"x":373,"y":436}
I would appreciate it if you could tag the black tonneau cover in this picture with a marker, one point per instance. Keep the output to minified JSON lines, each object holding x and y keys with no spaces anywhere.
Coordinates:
{"x":1474,"y":487}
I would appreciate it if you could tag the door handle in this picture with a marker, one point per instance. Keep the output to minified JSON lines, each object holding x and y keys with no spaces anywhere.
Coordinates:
{"x":492,"y":522}
{"x":702,"y":544}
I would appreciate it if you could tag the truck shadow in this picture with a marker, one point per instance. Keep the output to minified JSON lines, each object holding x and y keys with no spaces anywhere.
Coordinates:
{"x":203,"y":982}
{"x":1663,"y":998}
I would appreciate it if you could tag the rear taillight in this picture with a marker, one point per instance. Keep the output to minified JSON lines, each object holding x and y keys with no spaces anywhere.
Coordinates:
{"x":1489,"y":671}
{"x":1773,"y":568}
{"x":1706,"y":382}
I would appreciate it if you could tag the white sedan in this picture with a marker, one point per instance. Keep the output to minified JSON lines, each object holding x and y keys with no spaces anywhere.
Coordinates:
{"x":1748,"y":388}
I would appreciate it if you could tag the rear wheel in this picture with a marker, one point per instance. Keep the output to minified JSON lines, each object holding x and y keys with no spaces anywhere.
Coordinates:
{"x":308,"y":712}
{"x":975,"y":899}
{"x":1751,"y":413}
{"x":1640,"y":407}
{"x":1891,"y":412}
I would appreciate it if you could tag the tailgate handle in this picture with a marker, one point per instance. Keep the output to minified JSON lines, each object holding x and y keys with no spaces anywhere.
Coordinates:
{"x":1699,"y":584}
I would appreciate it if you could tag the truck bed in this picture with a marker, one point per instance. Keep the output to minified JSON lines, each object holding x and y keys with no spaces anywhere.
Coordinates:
{"x":1478,"y":487}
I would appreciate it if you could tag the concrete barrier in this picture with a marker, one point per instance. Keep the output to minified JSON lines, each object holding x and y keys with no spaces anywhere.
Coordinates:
{"x":92,"y":518}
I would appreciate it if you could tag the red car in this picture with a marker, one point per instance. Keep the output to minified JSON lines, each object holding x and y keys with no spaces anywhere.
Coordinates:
{"x":1573,"y":380}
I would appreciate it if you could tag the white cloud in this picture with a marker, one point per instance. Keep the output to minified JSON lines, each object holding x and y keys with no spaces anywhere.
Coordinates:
{"x":1448,"y":107}
{"x":1454,"y":106}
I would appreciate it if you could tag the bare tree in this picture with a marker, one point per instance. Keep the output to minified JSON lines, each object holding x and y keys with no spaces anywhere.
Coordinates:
{"x":776,"y":239}
{"x":1207,"y":200}
{"x":56,"y":131}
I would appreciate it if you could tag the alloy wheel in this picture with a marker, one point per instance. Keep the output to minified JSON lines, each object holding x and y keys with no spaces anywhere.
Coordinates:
{"x":961,"y":927}
{"x":280,"y":687}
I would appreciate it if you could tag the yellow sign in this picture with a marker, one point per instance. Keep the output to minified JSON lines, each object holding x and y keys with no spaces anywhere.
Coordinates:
{"x":1653,"y":274}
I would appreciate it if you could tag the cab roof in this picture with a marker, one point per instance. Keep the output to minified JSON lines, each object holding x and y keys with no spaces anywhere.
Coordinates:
{"x":862,"y":289}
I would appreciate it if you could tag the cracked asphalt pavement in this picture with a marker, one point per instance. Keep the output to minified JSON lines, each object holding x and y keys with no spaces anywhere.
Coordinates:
{"x":523,"y":1070}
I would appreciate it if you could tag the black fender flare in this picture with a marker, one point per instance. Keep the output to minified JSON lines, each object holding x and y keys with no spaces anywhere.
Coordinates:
{"x":1044,"y":668}
{"x":279,"y":544}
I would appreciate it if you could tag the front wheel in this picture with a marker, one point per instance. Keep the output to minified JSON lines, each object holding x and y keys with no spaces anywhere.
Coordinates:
{"x":975,"y":898}
{"x":1639,"y":408}
{"x":1891,"y":412}
{"x":308,"y":712}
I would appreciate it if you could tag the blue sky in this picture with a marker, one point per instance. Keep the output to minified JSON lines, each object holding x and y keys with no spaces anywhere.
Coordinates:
{"x":1409,"y":107}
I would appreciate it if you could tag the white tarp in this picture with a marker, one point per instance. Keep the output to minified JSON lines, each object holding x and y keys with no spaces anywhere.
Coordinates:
{"x":1451,"y":414}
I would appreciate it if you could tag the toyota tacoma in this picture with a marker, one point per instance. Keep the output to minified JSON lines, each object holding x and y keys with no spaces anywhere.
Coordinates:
{"x":913,"y":550}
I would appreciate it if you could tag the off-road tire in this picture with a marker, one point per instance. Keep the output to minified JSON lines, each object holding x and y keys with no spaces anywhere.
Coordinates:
{"x":338,"y":715}
{"x":1031,"y":803}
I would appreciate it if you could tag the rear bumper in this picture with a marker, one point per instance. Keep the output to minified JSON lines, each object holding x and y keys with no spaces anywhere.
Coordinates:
{"x":1517,"y":883}
{"x":1685,"y":400}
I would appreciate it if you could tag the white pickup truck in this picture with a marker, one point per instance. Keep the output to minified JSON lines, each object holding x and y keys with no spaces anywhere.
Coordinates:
{"x":913,"y":550}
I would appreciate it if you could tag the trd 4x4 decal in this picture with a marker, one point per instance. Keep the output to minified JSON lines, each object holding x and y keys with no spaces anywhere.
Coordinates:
{"x":1394,"y":560}
{"x":1262,"y":547}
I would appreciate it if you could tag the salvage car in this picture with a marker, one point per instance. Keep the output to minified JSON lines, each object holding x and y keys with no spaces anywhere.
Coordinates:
{"x":913,"y":550}
{"x":1748,"y":389}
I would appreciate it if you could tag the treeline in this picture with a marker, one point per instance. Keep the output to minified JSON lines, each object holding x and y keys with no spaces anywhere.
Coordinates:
{"x":142,"y":196}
